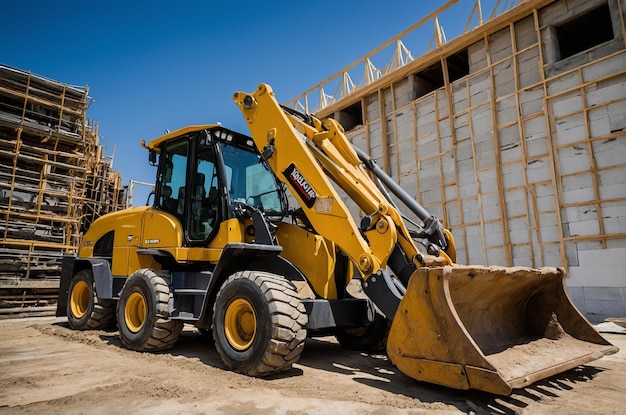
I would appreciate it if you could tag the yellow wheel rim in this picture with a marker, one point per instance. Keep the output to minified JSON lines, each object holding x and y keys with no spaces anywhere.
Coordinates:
{"x":135,"y":312}
{"x":240,"y":324}
{"x":80,"y":299}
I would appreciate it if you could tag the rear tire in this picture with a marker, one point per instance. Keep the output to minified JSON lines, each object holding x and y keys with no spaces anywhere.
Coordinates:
{"x":85,"y":311}
{"x":143,"y":312}
{"x":258,"y":323}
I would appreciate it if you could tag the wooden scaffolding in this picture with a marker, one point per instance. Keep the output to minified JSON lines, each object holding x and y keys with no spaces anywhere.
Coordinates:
{"x":54,"y":178}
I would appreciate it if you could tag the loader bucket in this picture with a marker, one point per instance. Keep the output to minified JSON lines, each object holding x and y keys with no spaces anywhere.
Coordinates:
{"x":490,"y":328}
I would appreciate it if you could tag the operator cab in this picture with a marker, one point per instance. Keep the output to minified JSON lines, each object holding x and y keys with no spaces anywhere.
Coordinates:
{"x":205,"y":173}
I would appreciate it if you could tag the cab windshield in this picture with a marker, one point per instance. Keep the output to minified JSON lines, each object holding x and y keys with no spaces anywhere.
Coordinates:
{"x":251,"y":181}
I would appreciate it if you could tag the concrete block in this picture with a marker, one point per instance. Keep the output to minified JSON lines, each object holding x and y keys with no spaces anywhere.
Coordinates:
{"x":616,"y":243}
{"x":538,"y":170}
{"x":475,"y":249}
{"x":491,"y":208}
{"x":611,"y":152}
{"x":576,"y":293}
{"x":546,"y":219}
{"x":525,"y":34}
{"x":617,"y":116}
{"x":550,"y":14}
{"x":617,"y":190}
{"x":450,"y":192}
{"x":598,"y":311}
{"x":509,"y":142}
{"x":545,"y":204}
{"x":463,"y":150}
{"x":599,"y":122}
{"x":452,"y":217}
{"x":549,"y":233}
{"x":480,"y":88}
{"x":504,"y":78}
{"x":515,"y":204}
{"x":431,"y":197}
{"x":403,"y":92}
{"x":496,"y":256}
{"x":449,"y":166}
{"x":488,"y":181}
{"x":567,"y":104}
{"x":471,"y":213}
{"x":493,"y":240}
{"x":551,"y":254}
{"x":578,"y":196}
{"x":506,"y":110}
{"x":372,"y":111}
{"x":426,"y":126}
{"x":468,"y":190}
{"x":459,"y":97}
{"x":537,"y":148}
{"x":512,"y":175}
{"x":442,"y":105}
{"x":612,"y":89}
{"x":571,"y":130}
{"x":584,"y":228}
{"x":427,"y":149}
{"x":518,"y":231}
{"x":521,"y":256}
{"x":528,"y":68}
{"x":604,"y":68}
{"x":477,"y":56}
{"x":485,"y":156}
{"x":531,"y":101}
{"x":605,"y":267}
{"x":482,"y":122}
{"x":500,"y":45}
{"x":461,"y":127}
{"x":574,"y":159}
{"x":604,"y":293}
{"x":563,"y":82}
{"x":583,"y":181}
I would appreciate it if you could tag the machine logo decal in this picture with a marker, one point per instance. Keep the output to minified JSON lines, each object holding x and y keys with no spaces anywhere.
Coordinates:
{"x":299,"y":183}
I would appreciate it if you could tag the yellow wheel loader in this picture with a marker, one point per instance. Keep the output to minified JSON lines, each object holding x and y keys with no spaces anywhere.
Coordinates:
{"x":221,"y":249}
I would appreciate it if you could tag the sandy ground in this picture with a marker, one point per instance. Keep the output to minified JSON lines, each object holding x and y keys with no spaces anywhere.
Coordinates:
{"x":46,"y":368}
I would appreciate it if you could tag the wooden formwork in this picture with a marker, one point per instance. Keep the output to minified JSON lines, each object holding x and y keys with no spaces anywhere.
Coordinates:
{"x":54,"y":180}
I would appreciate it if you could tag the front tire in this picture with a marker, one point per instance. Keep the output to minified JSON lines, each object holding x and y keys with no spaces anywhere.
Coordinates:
{"x":85,"y":311}
{"x":143,"y":312}
{"x":258,"y":323}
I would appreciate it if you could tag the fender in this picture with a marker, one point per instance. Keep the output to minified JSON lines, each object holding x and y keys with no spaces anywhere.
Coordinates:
{"x":244,"y":256}
{"x":101,"y":269}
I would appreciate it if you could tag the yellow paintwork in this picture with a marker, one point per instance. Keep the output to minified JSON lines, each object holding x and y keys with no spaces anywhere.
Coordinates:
{"x":156,"y":143}
{"x":331,"y":159}
{"x":486,"y":328}
{"x":135,"y":312}
{"x":240,"y":324}
{"x":312,"y":254}
{"x":148,"y":228}
{"x":80,"y":299}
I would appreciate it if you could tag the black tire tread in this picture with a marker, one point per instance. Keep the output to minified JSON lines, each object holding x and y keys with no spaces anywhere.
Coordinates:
{"x":288,"y":319}
{"x":164,"y":332}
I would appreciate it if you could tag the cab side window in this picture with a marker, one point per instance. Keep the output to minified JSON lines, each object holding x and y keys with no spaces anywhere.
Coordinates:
{"x":173,"y":173}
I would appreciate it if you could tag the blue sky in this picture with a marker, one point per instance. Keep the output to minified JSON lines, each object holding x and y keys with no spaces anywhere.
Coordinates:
{"x":157,"y":65}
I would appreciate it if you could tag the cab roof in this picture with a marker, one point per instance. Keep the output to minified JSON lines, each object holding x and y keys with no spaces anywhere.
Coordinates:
{"x":156,"y":143}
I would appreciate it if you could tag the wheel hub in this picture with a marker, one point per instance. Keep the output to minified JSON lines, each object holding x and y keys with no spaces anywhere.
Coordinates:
{"x":240,"y":324}
{"x":135,"y":312}
{"x":79,"y":299}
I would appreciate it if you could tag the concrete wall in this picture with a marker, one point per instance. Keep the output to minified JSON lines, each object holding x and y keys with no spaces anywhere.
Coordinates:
{"x":524,"y":159}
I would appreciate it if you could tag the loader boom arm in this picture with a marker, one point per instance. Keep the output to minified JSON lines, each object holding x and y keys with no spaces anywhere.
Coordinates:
{"x":308,"y":157}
